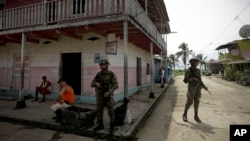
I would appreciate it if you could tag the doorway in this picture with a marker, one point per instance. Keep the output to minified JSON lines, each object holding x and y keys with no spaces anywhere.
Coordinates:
{"x":71,"y":70}
{"x":138,"y":71}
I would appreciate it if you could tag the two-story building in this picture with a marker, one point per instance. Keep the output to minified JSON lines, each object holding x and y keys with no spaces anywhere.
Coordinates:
{"x":235,"y":57}
{"x":67,"y":38}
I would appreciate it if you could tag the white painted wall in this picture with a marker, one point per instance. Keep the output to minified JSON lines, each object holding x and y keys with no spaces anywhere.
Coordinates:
{"x":49,"y":55}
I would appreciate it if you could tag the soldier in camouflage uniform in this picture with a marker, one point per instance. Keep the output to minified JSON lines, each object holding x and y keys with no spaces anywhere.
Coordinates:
{"x":195,"y":84}
{"x":105,"y":83}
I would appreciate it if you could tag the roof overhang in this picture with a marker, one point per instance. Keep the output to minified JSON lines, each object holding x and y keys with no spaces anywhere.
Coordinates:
{"x":228,"y":45}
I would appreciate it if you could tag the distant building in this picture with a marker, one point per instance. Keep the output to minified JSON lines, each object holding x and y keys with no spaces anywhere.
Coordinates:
{"x":235,"y":55}
{"x":213,"y":66}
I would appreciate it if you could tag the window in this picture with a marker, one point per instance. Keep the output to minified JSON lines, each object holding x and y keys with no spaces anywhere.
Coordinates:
{"x":78,"y":6}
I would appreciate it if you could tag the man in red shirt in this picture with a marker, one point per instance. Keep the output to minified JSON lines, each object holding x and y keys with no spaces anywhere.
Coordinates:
{"x":65,"y":99}
{"x":42,"y":89}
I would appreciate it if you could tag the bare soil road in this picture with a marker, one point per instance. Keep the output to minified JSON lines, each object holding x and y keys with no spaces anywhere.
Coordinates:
{"x":228,"y":104}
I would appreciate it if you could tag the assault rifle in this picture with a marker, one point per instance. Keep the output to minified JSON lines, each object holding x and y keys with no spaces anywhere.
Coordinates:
{"x":104,"y":87}
{"x":199,"y":78}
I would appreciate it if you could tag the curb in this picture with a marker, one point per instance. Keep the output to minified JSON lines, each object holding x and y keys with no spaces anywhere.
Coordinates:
{"x":143,"y":118}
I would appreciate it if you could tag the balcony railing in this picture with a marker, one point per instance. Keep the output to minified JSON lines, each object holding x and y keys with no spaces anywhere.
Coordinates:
{"x":58,"y":11}
{"x":61,"y":11}
{"x":137,"y":12}
{"x":229,"y":57}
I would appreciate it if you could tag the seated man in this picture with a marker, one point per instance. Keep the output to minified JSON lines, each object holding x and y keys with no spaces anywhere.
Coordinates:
{"x":65,"y":99}
{"x":42,"y":89}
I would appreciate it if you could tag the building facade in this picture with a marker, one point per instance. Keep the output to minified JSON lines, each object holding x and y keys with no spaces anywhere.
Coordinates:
{"x":235,"y":57}
{"x":67,"y":38}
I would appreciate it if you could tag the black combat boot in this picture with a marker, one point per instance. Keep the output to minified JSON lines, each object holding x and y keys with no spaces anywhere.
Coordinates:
{"x":100,"y":125}
{"x":196,"y":117}
{"x":111,"y":131}
{"x":111,"y":128}
{"x":184,"y":116}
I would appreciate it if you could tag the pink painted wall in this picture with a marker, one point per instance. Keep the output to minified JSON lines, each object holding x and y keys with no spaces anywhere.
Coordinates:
{"x":90,"y":72}
{"x":52,"y":73}
{"x":36,"y":74}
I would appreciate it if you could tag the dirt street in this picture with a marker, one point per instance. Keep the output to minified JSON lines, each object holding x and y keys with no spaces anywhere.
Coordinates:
{"x":15,"y":132}
{"x":228,"y":104}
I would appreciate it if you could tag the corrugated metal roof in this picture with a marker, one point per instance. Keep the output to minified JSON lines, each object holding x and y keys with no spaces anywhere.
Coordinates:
{"x":230,"y":44}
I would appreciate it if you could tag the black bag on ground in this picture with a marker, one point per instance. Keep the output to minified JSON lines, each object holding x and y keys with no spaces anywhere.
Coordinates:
{"x":78,"y":116}
{"x":120,"y":113}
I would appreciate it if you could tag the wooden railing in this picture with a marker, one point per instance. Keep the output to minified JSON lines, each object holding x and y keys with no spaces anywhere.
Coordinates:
{"x":58,"y":11}
{"x":135,"y":10}
{"x":22,"y":16}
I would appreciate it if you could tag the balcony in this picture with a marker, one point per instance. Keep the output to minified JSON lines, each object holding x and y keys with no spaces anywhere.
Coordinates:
{"x":63,"y":13}
{"x":58,"y":11}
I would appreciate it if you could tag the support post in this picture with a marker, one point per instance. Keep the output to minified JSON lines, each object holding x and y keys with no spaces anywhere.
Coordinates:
{"x":146,"y":6}
{"x":125,"y":32}
{"x":21,"y":102}
{"x":151,"y":94}
{"x":44,"y":11}
{"x":162,"y":67}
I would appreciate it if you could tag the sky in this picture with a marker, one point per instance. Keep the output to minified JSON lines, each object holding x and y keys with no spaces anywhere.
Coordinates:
{"x":205,"y":24}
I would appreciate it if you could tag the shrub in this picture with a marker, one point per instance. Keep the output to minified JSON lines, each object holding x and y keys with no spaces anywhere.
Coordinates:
{"x":229,"y":74}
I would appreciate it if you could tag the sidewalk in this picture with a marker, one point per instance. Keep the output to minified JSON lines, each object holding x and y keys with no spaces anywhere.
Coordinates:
{"x":40,"y":115}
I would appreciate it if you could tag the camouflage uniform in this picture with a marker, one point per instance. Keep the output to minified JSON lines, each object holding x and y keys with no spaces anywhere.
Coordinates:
{"x":107,"y":78}
{"x":194,"y":88}
{"x":193,"y":78}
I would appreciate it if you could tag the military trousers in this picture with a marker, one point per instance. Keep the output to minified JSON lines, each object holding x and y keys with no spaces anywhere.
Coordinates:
{"x":193,"y":96}
{"x":102,"y":102}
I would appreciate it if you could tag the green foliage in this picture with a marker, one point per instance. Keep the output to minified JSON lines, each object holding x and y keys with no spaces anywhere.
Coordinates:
{"x":229,"y":74}
{"x":184,"y":53}
{"x":247,"y":71}
{"x":243,"y":77}
{"x":237,"y":75}
{"x":179,"y":72}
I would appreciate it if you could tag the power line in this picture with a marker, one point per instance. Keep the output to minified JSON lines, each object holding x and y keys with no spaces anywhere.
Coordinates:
{"x":237,"y":17}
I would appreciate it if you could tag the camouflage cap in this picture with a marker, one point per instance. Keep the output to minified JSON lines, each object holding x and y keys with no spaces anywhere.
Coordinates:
{"x":194,"y":60}
{"x":103,"y":62}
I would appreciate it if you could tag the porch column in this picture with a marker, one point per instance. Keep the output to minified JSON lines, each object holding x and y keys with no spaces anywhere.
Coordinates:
{"x":21,"y":102}
{"x":125,"y":34}
{"x":162,"y":66}
{"x":146,"y":6}
{"x":44,"y":11}
{"x":151,"y":94}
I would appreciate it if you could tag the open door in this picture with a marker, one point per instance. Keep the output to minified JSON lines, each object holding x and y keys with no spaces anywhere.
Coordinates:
{"x":71,"y":70}
{"x":138,"y":71}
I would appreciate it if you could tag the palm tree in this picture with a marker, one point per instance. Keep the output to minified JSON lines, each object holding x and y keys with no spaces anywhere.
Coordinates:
{"x":174,"y":60}
{"x":184,"y":53}
{"x":202,"y":59}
